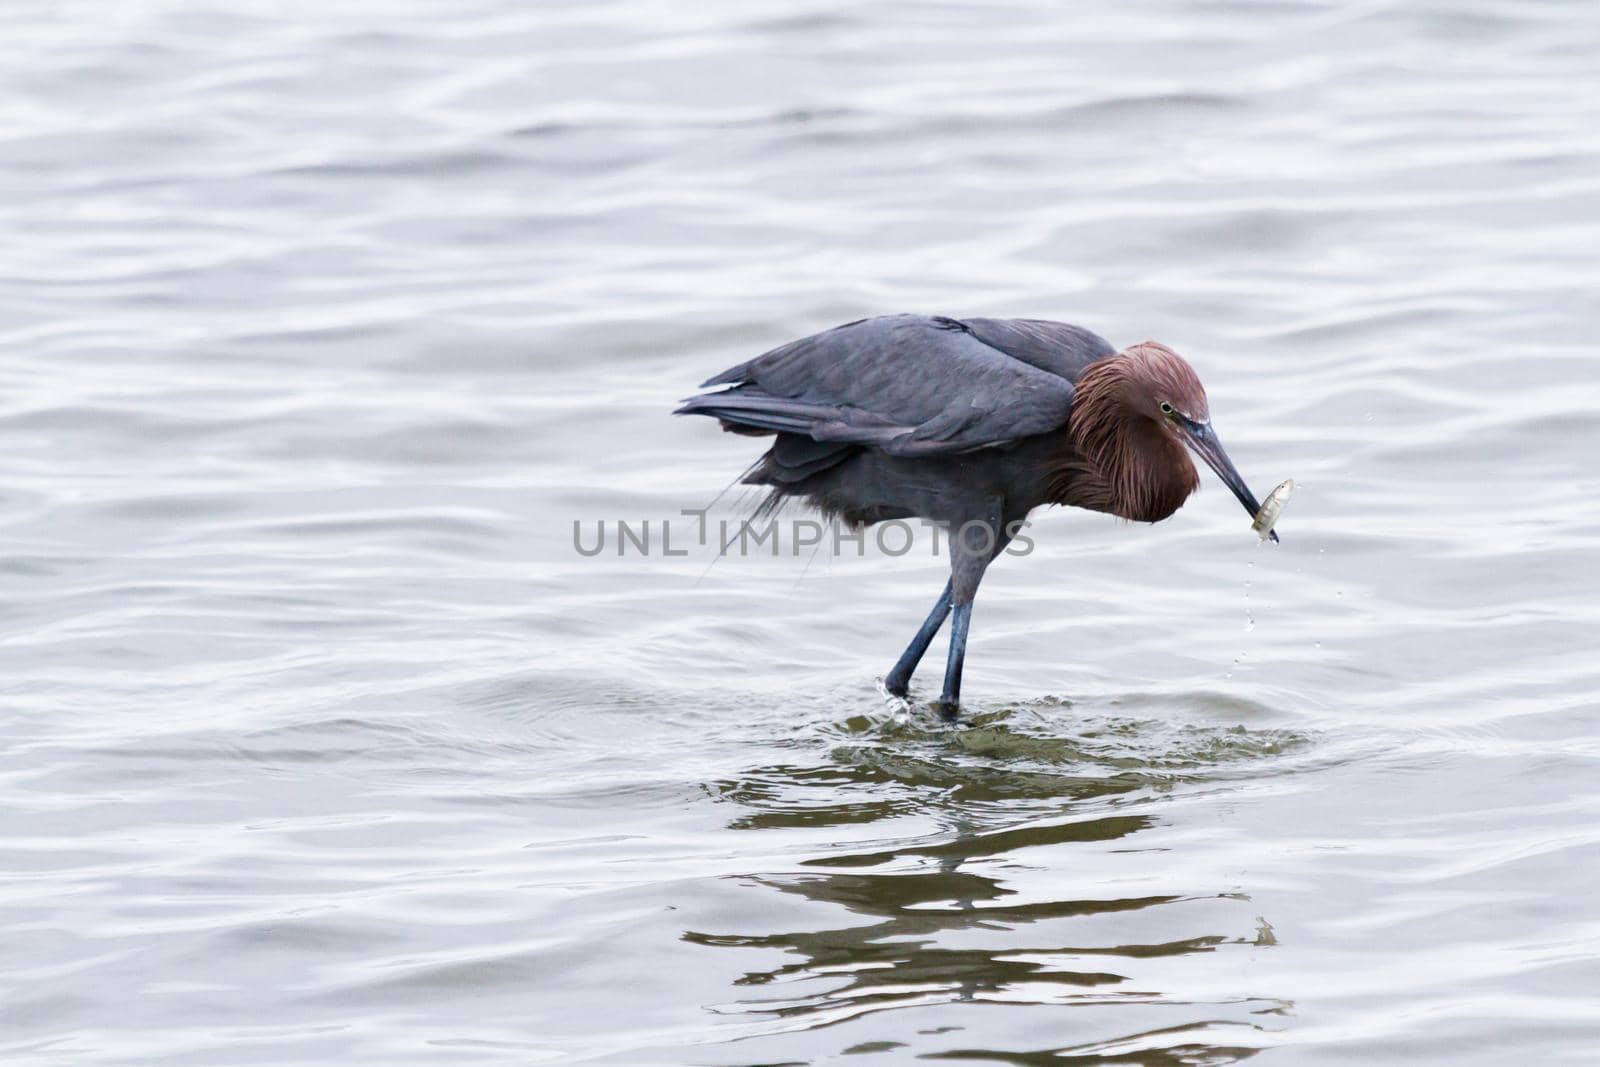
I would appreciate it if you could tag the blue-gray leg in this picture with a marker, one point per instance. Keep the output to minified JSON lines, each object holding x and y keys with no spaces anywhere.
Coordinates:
{"x":970,"y":554}
{"x":950,"y":700}
{"x":898,"y":680}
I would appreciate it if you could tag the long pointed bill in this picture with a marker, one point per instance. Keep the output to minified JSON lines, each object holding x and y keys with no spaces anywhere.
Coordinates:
{"x":1203,"y":439}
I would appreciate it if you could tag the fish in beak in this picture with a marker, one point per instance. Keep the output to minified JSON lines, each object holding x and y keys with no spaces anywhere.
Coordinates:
{"x":1200,"y":437}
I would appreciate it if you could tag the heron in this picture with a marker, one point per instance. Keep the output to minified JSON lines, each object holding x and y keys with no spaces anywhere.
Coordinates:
{"x":971,"y":424}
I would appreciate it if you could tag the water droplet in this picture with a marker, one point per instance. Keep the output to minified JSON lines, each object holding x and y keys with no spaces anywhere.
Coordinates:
{"x":1249,"y":616}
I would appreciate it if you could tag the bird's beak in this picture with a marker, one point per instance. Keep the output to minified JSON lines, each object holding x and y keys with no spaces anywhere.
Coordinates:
{"x":1203,"y":439}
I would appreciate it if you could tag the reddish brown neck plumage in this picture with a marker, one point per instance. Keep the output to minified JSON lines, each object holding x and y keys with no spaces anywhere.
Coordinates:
{"x":1138,"y":468}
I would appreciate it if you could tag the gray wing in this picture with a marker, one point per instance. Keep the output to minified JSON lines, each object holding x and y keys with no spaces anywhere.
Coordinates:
{"x":1056,"y":347}
{"x":908,"y":384}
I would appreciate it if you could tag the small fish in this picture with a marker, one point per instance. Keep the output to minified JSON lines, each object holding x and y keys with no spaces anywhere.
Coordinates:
{"x":1267,"y":517}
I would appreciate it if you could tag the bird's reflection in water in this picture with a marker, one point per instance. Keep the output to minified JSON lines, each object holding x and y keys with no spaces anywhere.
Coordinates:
{"x":953,"y":917}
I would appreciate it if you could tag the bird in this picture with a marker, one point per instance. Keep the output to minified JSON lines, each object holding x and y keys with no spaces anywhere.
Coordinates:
{"x":970,"y":423}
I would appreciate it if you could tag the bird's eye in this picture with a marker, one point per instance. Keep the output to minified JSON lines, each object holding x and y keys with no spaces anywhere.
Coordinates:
{"x":1166,"y":409}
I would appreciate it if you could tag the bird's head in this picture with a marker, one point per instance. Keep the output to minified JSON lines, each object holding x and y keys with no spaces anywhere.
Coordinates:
{"x":1151,"y":384}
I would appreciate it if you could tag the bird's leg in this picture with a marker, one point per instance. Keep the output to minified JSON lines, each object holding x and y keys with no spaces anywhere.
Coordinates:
{"x":898,"y":680}
{"x":970,"y":557}
{"x":949,"y":701}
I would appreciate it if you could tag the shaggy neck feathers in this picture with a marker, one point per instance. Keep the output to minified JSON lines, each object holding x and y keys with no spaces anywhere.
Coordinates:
{"x":1137,"y":467}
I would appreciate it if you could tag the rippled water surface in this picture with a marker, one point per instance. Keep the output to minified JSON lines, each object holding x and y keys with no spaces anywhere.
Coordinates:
{"x":321,"y":324}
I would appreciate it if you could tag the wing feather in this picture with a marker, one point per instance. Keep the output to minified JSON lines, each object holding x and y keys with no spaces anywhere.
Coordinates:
{"x":910,"y":385}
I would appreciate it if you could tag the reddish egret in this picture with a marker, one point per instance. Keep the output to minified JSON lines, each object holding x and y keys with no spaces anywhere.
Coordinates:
{"x":971,"y":423}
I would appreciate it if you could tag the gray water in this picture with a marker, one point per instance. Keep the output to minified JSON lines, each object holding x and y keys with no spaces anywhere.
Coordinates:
{"x":322,"y":324}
